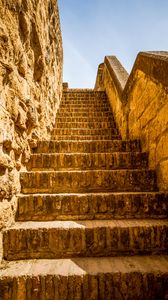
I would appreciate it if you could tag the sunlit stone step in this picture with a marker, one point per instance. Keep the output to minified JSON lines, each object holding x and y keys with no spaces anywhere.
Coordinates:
{"x":86,"y":161}
{"x":84,"y":120}
{"x":89,"y":114}
{"x":86,"y":278}
{"x":86,"y":109}
{"x":73,"y":137}
{"x":87,"y":146}
{"x":85,"y":101}
{"x":100,"y":206}
{"x":87,"y":104}
{"x":61,"y":239}
{"x":84,"y":131}
{"x":86,"y":125}
{"x":88,"y":181}
{"x":84,"y":95}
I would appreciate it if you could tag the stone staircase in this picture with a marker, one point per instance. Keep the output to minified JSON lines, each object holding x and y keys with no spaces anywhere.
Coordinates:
{"x":90,"y":223}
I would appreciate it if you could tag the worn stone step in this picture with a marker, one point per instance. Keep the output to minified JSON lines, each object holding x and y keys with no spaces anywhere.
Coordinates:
{"x":88,"y":181}
{"x":86,"y":278}
{"x":85,"y":106}
{"x":83,"y":96}
{"x":85,"y":102}
{"x":85,"y":120}
{"x":84,"y":131}
{"x":84,"y":110}
{"x":90,"y":114}
{"x":86,"y":161}
{"x":100,"y":206}
{"x":85,"y":125}
{"x":61,"y":239}
{"x":87,"y":146}
{"x":95,"y":102}
{"x":74,"y":94}
{"x":85,"y":137}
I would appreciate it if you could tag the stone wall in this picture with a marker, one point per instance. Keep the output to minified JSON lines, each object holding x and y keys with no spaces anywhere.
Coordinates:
{"x":30,"y":87}
{"x":111,"y":78}
{"x":140,"y":105}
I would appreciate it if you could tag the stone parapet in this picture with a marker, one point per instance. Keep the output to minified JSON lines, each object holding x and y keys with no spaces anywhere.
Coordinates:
{"x":140,"y":107}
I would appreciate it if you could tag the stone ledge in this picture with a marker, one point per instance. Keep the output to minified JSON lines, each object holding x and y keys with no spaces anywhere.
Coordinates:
{"x":153,"y":64}
{"x":94,"y":238}
{"x":98,"y":206}
{"x":112,"y":279}
{"x":117,"y":72}
{"x":81,"y":266}
{"x":140,"y":105}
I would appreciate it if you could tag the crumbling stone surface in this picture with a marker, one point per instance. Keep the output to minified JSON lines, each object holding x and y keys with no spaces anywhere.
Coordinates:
{"x":30,"y":86}
{"x":140,"y":104}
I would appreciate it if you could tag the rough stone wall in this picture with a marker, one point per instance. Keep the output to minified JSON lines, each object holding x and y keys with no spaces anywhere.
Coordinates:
{"x":140,"y":105}
{"x":148,"y":120}
{"x":113,"y":91}
{"x":30,"y":87}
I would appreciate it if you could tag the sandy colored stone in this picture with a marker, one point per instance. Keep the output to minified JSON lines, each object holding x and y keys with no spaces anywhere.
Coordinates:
{"x":61,"y":239}
{"x":86,"y":198}
{"x":139,"y":102}
{"x":89,"y":278}
{"x":87,"y":146}
{"x":30,"y":83}
{"x":92,"y":206}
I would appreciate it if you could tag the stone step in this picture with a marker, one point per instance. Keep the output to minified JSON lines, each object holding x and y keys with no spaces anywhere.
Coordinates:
{"x":87,"y":106}
{"x":84,"y":95}
{"x":137,"y":277}
{"x":88,"y":181}
{"x":85,"y":137}
{"x":73,"y":94}
{"x":85,"y":102}
{"x":86,"y":161}
{"x":100,"y":206}
{"x":86,"y":125}
{"x":87,"y":146}
{"x":65,"y":239}
{"x":84,"y":110}
{"x":84,"y":131}
{"x":90,"y":114}
{"x":85,"y":120}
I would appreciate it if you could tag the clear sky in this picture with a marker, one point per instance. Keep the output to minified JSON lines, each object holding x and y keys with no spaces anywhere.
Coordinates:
{"x":92,"y":29}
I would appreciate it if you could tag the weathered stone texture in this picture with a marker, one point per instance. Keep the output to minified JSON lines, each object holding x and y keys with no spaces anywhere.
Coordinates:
{"x":30,"y":86}
{"x":88,"y":180}
{"x":116,"y":278}
{"x":87,"y":146}
{"x":62,"y":239}
{"x":113,"y":79}
{"x":85,"y":161}
{"x":100,"y":206}
{"x":91,"y":201}
{"x":148,"y":120}
{"x":140,"y":105}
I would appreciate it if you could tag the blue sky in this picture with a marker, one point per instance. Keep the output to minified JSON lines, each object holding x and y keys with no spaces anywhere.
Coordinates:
{"x":92,"y":29}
